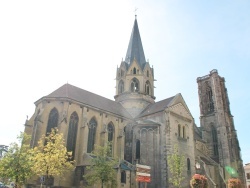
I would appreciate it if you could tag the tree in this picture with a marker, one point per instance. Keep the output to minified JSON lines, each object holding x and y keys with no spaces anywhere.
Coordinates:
{"x":176,"y":166}
{"x":50,"y":157}
{"x":102,"y":168}
{"x":16,"y":163}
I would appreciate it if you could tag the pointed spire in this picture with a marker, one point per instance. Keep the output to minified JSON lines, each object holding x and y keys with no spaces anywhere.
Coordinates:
{"x":135,"y":49}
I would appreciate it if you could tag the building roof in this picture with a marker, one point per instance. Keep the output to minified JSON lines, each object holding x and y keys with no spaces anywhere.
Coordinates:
{"x":157,"y":107}
{"x":135,"y":49}
{"x":90,"y":99}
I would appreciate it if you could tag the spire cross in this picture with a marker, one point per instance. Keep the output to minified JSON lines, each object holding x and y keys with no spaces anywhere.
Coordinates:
{"x":135,"y":12}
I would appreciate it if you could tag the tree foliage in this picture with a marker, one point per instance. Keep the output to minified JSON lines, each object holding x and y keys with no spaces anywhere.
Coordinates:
{"x":102,"y":169}
{"x":16,"y":163}
{"x":176,"y":166}
{"x":50,"y":157}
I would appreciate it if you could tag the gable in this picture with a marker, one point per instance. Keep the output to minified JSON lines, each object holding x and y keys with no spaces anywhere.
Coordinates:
{"x":181,"y":110}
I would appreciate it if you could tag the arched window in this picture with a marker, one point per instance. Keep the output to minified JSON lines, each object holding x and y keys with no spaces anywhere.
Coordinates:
{"x":123,"y":176}
{"x":52,"y":121}
{"x":134,"y":85}
{"x":134,"y":70}
{"x":183,"y":132}
{"x":110,"y":137}
{"x":210,"y":102}
{"x":147,"y":73}
{"x":179,"y":130}
{"x":121,"y":87}
{"x":147,"y":88}
{"x":91,"y":135}
{"x":72,"y":133}
{"x":215,"y":140}
{"x":138,"y":149}
{"x":188,"y":164}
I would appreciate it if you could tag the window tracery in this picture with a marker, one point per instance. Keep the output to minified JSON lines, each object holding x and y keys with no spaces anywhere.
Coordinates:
{"x":52,"y":121}
{"x":91,"y":135}
{"x":72,"y":133}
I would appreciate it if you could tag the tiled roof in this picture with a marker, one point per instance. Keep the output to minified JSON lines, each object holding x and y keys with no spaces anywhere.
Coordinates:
{"x":156,"y":107}
{"x":135,"y":49}
{"x":90,"y":99}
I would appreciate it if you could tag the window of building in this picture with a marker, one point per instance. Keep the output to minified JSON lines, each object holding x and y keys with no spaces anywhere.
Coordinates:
{"x":110,"y":137}
{"x":134,"y":70}
{"x":123,"y":176}
{"x":183,"y":132}
{"x":72,"y":133}
{"x":248,"y":176}
{"x":210,"y":102}
{"x":91,"y":135}
{"x":121,"y":87}
{"x":215,"y":140}
{"x":147,"y":88}
{"x":138,"y":149}
{"x":147,"y":73}
{"x":188,"y":164}
{"x":134,"y":85}
{"x":122,"y":72}
{"x":179,"y":130}
{"x":53,"y":120}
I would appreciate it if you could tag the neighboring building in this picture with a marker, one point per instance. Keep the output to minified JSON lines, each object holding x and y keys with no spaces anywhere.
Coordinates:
{"x":247,"y":174}
{"x":142,"y":130}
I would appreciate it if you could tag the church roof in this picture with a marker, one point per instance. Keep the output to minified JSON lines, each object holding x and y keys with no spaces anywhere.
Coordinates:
{"x":135,"y":49}
{"x":89,"y":99}
{"x":157,"y":107}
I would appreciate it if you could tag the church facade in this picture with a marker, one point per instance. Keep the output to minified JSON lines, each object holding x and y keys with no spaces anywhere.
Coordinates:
{"x":141,"y":130}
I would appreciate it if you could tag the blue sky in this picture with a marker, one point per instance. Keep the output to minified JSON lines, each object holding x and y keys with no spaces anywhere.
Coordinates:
{"x":45,"y":44}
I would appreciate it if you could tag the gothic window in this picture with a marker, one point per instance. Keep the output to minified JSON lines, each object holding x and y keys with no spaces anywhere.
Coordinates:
{"x":134,"y":85}
{"x":123,"y":176}
{"x":138,"y":149}
{"x":188,"y":164}
{"x":134,"y":70}
{"x":121,"y":87}
{"x":215,"y":141}
{"x":72,"y":133}
{"x":110,"y":136}
{"x":147,"y":88}
{"x":179,"y":130}
{"x":53,"y":120}
{"x":147,"y":73}
{"x":91,"y":135}
{"x":210,"y":102}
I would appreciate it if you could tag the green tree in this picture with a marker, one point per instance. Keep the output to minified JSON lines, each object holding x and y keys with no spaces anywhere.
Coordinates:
{"x":16,"y":163}
{"x":176,"y":166}
{"x":102,"y":169}
{"x":50,"y":157}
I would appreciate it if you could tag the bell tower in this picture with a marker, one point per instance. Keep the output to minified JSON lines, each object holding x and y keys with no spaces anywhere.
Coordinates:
{"x":217,"y":124}
{"x":135,"y":77}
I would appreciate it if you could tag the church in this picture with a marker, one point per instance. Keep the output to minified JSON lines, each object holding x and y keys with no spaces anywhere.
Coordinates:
{"x":142,"y":130}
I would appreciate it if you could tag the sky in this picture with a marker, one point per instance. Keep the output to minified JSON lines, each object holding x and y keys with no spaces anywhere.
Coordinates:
{"x":45,"y":44}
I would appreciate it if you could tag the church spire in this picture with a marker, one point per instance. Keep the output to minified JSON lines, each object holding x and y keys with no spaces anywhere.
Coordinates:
{"x":135,"y":49}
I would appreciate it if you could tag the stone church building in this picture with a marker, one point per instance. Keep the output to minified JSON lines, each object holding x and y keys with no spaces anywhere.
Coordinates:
{"x":142,"y":130}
